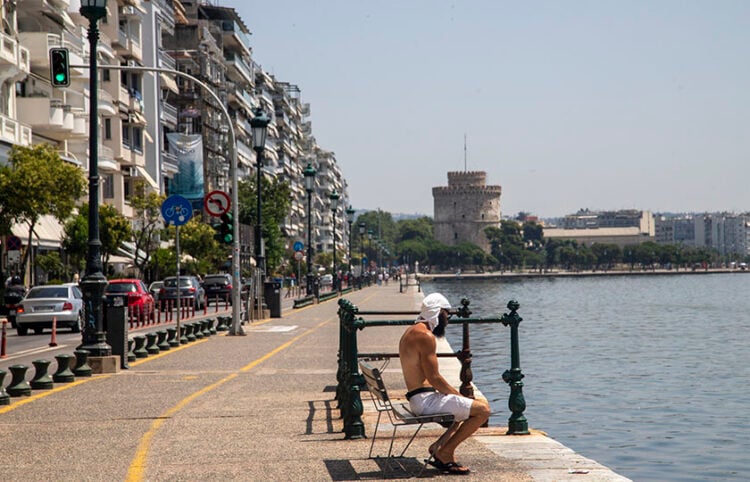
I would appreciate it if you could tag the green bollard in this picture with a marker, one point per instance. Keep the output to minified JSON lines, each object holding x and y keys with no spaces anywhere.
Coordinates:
{"x":161,"y":342}
{"x":18,"y":387}
{"x":223,"y":323}
{"x":4,"y":397}
{"x":517,"y":423}
{"x":204,"y":329}
{"x":63,"y":373}
{"x":151,"y":347}
{"x":183,"y":336}
{"x":189,"y":327}
{"x":41,"y":380}
{"x":172,"y":337}
{"x":131,"y":354}
{"x":82,"y":368}
{"x":140,"y":343}
{"x":211,"y":328}
{"x":197,"y":333}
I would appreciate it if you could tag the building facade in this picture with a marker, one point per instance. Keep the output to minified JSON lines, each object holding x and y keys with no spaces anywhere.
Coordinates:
{"x":139,"y":110}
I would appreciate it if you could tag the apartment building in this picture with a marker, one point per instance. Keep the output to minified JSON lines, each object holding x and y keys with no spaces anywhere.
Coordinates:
{"x":140,"y":110}
{"x":622,"y":227}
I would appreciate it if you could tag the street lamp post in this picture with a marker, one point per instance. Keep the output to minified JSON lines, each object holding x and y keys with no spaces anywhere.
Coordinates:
{"x":259,"y":126}
{"x":309,"y":173}
{"x":362,"y":228}
{"x":94,"y":283}
{"x":334,"y":197}
{"x":350,"y":219}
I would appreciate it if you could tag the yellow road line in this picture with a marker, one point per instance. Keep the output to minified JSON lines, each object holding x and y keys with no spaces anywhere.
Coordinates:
{"x":136,"y":471}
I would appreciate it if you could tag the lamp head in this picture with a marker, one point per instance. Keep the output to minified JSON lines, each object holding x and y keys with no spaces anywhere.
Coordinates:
{"x":309,"y":173}
{"x":259,"y":126}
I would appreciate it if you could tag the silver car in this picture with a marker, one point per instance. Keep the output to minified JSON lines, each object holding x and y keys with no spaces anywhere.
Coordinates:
{"x":43,"y":304}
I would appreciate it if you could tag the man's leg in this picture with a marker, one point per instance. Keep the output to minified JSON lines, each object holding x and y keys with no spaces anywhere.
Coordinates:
{"x":480,"y":412}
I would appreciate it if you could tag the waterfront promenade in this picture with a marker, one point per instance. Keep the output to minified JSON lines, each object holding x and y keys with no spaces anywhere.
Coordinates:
{"x":255,"y":407}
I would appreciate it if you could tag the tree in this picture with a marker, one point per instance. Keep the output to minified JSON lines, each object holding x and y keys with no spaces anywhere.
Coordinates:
{"x":114,"y":228}
{"x":199,"y":251}
{"x":38,"y":182}
{"x":147,"y":223}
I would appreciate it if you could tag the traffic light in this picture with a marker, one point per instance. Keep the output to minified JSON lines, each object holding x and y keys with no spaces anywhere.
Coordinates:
{"x":226,"y":229}
{"x":59,"y":67}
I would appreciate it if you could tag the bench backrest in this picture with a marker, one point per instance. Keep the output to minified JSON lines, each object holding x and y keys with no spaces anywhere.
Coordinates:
{"x":375,"y":383}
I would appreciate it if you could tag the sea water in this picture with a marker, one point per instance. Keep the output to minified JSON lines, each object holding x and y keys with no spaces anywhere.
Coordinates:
{"x":648,"y":375}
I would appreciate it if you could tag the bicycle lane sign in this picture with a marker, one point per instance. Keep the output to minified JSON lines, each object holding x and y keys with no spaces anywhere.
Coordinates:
{"x":176,"y":210}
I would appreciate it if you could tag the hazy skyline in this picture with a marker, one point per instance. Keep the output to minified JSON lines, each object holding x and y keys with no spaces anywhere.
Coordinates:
{"x":567,"y":105}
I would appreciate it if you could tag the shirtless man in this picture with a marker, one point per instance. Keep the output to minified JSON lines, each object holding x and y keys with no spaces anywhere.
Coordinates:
{"x":429,"y":392}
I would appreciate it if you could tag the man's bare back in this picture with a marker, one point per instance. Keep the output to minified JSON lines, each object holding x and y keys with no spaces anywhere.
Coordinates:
{"x":418,"y":354}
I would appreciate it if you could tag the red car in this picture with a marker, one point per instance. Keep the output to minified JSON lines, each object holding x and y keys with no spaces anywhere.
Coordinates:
{"x":140,"y":302}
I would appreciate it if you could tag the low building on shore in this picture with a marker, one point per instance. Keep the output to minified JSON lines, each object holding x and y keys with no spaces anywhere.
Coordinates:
{"x":605,"y":227}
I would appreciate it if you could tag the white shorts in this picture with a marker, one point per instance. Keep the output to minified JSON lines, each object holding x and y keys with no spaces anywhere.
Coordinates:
{"x":435,"y":402}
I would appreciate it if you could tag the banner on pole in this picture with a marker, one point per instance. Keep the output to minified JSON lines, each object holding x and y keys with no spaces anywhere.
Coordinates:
{"x":188,"y":182}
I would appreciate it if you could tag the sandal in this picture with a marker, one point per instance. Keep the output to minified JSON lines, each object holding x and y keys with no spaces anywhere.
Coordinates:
{"x":450,"y":468}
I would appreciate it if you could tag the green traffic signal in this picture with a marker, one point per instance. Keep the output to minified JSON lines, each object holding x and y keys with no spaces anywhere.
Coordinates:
{"x":227,"y":228}
{"x":59,"y":67}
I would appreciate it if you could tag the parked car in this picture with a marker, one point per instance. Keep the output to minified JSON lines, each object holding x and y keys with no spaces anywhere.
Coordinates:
{"x":326,"y":280}
{"x":42,"y":304}
{"x":140,"y":302}
{"x":190,"y":288}
{"x":154,"y":289}
{"x":218,"y":287}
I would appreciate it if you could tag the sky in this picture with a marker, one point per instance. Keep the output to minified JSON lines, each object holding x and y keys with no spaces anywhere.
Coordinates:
{"x":600,"y":104}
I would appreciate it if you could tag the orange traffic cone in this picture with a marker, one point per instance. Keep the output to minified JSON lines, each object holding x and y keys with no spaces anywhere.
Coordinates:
{"x":53,"y":341}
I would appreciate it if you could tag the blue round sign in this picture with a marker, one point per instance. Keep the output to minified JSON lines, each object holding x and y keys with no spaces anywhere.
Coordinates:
{"x":298,"y":246}
{"x":176,"y":210}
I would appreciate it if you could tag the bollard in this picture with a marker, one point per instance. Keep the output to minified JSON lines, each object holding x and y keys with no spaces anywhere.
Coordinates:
{"x":82,"y":368}
{"x":4,"y":397}
{"x":172,"y":337}
{"x":183,"y":335}
{"x":63,"y":373}
{"x":151,"y":347}
{"x":18,"y":387}
{"x":162,"y":342}
{"x":223,"y":323}
{"x":4,"y":339}
{"x":211,"y":329}
{"x":131,"y":355}
{"x":197,"y":333}
{"x":140,"y":346}
{"x":41,"y":380}
{"x":204,"y":329}
{"x":517,"y":423}
{"x":53,"y":340}
{"x":189,"y":332}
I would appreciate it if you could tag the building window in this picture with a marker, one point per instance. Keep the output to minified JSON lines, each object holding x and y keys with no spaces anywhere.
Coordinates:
{"x":108,"y":188}
{"x":108,"y":129}
{"x":105,"y":75}
{"x":455,"y":235}
{"x":137,"y":139}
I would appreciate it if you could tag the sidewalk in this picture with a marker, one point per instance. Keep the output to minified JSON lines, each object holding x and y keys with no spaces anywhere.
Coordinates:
{"x":254,"y":407}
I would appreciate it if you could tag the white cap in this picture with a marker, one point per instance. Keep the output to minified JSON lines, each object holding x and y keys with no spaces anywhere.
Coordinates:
{"x":431,"y":306}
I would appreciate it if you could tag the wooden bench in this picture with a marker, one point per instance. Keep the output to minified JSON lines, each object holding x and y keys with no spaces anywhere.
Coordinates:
{"x":398,"y":413}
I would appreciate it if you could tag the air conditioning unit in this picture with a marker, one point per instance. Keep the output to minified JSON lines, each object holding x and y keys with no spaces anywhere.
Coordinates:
{"x":131,"y":171}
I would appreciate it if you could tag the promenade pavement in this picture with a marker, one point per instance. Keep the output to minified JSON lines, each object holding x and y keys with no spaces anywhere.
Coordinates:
{"x":258,"y":407}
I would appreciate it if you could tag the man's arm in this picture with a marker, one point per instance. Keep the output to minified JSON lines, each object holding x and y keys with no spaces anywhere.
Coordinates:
{"x":429,"y":360}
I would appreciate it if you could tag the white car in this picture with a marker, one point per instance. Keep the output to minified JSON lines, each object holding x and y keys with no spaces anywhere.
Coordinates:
{"x":326,"y":280}
{"x":43,"y":304}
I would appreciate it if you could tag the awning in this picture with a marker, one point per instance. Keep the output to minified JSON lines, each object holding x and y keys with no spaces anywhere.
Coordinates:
{"x":48,"y":233}
{"x":142,"y":172}
{"x":168,"y":83}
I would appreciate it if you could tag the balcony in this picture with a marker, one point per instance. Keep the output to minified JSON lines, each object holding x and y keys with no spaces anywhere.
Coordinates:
{"x":234,"y":36}
{"x":238,"y":70}
{"x":168,"y":113}
{"x":15,"y":60}
{"x":14,"y":132}
{"x":46,"y":116}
